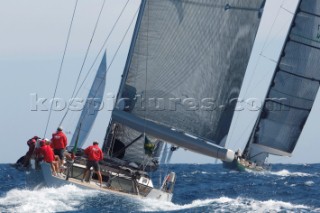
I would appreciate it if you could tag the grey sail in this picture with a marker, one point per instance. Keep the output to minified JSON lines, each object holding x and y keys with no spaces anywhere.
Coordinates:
{"x":294,"y":87}
{"x":91,"y":106}
{"x":186,"y":63}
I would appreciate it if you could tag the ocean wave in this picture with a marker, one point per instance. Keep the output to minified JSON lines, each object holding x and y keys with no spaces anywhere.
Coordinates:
{"x":66,"y":198}
{"x":282,"y":173}
{"x":218,"y":191}
{"x":224,"y":204}
{"x":286,"y":173}
{"x":199,"y":172}
{"x":309,"y":183}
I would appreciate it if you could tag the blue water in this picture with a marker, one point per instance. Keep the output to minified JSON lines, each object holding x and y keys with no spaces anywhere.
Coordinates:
{"x":199,"y":188}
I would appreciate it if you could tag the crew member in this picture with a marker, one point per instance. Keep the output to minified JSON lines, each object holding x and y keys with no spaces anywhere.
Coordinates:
{"x":94,"y":154}
{"x":59,"y":143}
{"x":32,"y":145}
{"x":48,"y":156}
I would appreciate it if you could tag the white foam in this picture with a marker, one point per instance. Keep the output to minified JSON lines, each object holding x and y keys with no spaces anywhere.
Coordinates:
{"x":283,"y":173}
{"x":66,"y":198}
{"x":225,"y":204}
{"x":199,"y":172}
{"x":150,"y":205}
{"x":286,"y":173}
{"x":291,"y":185}
{"x":71,"y":198}
{"x":309,"y":183}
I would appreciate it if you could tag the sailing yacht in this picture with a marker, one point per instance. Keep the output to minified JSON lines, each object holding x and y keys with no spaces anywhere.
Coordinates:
{"x":186,"y":64}
{"x":118,"y":177}
{"x":291,"y":89}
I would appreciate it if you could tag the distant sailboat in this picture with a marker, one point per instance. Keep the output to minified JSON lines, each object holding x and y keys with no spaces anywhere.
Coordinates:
{"x":296,"y":80}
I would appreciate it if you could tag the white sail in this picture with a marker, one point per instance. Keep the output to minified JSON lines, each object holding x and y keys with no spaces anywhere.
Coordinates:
{"x":91,"y":107}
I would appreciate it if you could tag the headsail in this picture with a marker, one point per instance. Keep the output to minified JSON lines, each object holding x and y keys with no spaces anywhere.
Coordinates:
{"x":164,"y":155}
{"x":293,"y":88}
{"x":186,"y":63}
{"x":91,"y":106}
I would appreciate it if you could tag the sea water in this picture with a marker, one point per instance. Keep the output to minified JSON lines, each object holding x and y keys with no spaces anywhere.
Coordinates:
{"x":199,"y":188}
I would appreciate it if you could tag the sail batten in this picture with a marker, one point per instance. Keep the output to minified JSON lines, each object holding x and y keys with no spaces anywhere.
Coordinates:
{"x":310,"y":6}
{"x":300,"y":76}
{"x":302,"y":43}
{"x":288,"y":94}
{"x":287,"y":105}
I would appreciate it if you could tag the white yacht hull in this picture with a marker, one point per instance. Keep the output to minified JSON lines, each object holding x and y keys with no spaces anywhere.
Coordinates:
{"x":43,"y":177}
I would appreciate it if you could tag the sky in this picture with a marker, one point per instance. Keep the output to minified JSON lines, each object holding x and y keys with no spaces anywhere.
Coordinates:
{"x":32,"y":41}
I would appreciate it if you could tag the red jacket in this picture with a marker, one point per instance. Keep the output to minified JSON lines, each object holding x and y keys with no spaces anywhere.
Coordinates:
{"x":59,"y":140}
{"x":47,"y":152}
{"x":94,"y":153}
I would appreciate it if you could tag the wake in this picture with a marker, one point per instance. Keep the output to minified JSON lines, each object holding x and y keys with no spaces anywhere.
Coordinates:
{"x":286,"y":173}
{"x":283,"y":173}
{"x":66,"y":198}
{"x":225,"y":204}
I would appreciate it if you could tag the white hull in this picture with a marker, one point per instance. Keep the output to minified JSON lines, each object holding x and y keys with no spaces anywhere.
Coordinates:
{"x":43,"y":178}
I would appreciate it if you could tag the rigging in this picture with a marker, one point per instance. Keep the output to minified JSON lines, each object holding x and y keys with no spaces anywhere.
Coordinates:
{"x":60,"y":69}
{"x":85,"y":59}
{"x":102,"y":48}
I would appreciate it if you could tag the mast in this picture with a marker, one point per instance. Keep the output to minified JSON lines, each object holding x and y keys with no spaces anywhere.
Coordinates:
{"x":109,"y":137}
{"x":133,"y":42}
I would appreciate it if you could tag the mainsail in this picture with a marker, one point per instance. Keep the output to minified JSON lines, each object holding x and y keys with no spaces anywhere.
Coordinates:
{"x":185,"y":65}
{"x":293,"y":89}
{"x":91,"y":106}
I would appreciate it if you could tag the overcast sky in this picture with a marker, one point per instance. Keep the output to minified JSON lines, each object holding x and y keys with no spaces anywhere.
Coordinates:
{"x":32,"y":40}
